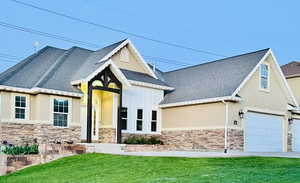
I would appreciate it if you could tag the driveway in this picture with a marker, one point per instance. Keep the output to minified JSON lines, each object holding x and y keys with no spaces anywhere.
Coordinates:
{"x":211,"y":154}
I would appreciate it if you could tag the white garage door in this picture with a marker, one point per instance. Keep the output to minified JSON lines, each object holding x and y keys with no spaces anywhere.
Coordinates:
{"x":296,"y":136}
{"x":263,"y":133}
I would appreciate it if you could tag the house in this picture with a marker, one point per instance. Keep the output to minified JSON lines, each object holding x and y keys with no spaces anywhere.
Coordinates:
{"x":292,"y":74}
{"x":240,"y":103}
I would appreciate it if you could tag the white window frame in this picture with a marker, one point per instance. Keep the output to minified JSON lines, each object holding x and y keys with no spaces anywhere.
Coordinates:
{"x":27,"y":107}
{"x":124,"y":54}
{"x":260,"y":76}
{"x":136,"y":117}
{"x":69,"y":118}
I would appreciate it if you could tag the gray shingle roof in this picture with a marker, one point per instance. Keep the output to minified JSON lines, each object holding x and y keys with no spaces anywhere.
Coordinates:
{"x":210,"y":80}
{"x":54,"y":68}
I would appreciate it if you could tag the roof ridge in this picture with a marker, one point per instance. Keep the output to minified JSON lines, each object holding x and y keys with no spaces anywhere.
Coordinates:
{"x":12,"y":70}
{"x":60,"y":59}
{"x":216,"y":60}
{"x":292,"y":62}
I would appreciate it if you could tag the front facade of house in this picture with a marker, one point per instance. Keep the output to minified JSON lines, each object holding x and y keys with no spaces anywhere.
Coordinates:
{"x":241,"y":103}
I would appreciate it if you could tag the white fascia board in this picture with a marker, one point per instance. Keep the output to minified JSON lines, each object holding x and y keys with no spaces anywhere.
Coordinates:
{"x":278,"y":69}
{"x":39,"y":90}
{"x":284,"y":79}
{"x":150,"y":85}
{"x":127,"y":41}
{"x":117,"y":72}
{"x":202,"y":101}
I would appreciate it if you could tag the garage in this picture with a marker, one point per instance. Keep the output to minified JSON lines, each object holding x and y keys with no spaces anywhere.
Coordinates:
{"x":263,"y":133}
{"x":296,"y":135}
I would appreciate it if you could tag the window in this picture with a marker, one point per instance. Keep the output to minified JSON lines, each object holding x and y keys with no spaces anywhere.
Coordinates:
{"x":264,"y":76}
{"x":139,"y":121}
{"x":20,"y":107}
{"x":61,"y":111}
{"x":154,"y":121}
{"x":124,"y":118}
{"x":124,"y":55}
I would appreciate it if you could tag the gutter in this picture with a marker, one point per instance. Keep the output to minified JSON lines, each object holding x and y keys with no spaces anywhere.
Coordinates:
{"x":226,"y":127}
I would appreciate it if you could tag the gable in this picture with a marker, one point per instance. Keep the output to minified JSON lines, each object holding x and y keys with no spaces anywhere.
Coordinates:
{"x":276,"y":98}
{"x":132,"y":64}
{"x":294,"y":83}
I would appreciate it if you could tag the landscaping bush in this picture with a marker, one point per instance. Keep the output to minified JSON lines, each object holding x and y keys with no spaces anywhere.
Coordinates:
{"x":143,"y":140}
{"x":21,"y":150}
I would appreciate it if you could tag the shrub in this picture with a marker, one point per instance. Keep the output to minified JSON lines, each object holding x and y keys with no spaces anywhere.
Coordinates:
{"x":143,"y":140}
{"x":20,"y":150}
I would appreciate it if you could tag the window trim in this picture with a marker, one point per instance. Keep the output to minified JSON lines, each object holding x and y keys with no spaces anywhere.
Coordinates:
{"x":142,"y":119}
{"x":13,"y":106}
{"x":69,"y":111}
{"x":260,"y":76}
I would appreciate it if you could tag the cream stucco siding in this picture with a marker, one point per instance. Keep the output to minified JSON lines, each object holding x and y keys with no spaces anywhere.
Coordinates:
{"x":39,"y":108}
{"x":133,"y":64}
{"x":210,"y":115}
{"x":295,"y":87}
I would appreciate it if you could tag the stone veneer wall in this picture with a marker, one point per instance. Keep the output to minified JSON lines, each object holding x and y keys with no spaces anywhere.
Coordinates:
{"x":107,"y":135}
{"x":203,"y":140}
{"x":19,"y":133}
{"x":47,"y":153}
{"x":235,"y":139}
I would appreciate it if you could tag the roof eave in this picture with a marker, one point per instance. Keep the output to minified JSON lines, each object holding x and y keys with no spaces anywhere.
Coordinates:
{"x":201,"y":101}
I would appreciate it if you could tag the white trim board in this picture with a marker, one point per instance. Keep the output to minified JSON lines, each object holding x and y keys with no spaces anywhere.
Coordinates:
{"x":202,"y":101}
{"x":116,"y":71}
{"x":150,"y":85}
{"x":39,"y":90}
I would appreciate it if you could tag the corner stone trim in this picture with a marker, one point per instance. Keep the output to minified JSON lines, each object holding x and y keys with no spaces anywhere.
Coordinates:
{"x":19,"y":134}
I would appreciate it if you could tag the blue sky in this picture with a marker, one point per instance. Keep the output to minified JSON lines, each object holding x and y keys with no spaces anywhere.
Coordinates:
{"x":228,"y":28}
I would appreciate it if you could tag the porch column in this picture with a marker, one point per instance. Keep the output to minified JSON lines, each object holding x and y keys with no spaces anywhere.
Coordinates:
{"x":89,"y":113}
{"x":119,"y":129}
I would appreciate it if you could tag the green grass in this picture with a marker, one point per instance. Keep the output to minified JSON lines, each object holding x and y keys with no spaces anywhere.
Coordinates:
{"x":104,"y":168}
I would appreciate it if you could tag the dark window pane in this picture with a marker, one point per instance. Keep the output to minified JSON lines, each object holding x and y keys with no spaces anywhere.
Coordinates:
{"x":66,"y":110}
{"x":124,"y":112}
{"x":154,"y":115}
{"x":55,"y":108}
{"x":124,"y":124}
{"x":20,"y":113}
{"x":66,"y":103}
{"x":153,"y":126}
{"x":140,"y":114}
{"x":60,"y":120}
{"x":18,"y":104}
{"x":139,"y":125}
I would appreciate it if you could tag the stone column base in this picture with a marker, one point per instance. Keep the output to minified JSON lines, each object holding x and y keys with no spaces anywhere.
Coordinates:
{"x":107,"y":135}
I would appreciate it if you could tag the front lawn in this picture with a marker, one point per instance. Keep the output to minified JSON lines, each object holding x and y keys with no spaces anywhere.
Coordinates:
{"x":91,"y":168}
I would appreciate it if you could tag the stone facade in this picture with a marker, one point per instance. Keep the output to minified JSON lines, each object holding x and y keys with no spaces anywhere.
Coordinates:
{"x":202,"y":140}
{"x":19,"y":133}
{"x":107,"y":135}
{"x":47,"y":153}
{"x":235,"y":139}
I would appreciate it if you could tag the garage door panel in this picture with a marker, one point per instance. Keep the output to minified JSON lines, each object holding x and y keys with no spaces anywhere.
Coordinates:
{"x":263,"y":133}
{"x":296,"y":136}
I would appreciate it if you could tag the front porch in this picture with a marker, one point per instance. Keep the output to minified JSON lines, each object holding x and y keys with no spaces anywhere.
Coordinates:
{"x":101,"y":107}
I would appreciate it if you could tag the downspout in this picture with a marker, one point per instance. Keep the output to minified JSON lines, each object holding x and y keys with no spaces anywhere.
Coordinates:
{"x":226,"y":126}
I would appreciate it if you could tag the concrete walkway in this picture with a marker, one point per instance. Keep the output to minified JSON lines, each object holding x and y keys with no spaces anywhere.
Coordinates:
{"x":117,"y":149}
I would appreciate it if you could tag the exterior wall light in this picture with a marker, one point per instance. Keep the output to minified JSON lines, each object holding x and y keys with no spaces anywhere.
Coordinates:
{"x":241,"y":114}
{"x":290,"y":120}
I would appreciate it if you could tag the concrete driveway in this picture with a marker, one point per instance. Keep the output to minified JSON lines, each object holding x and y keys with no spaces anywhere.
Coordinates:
{"x":211,"y":154}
